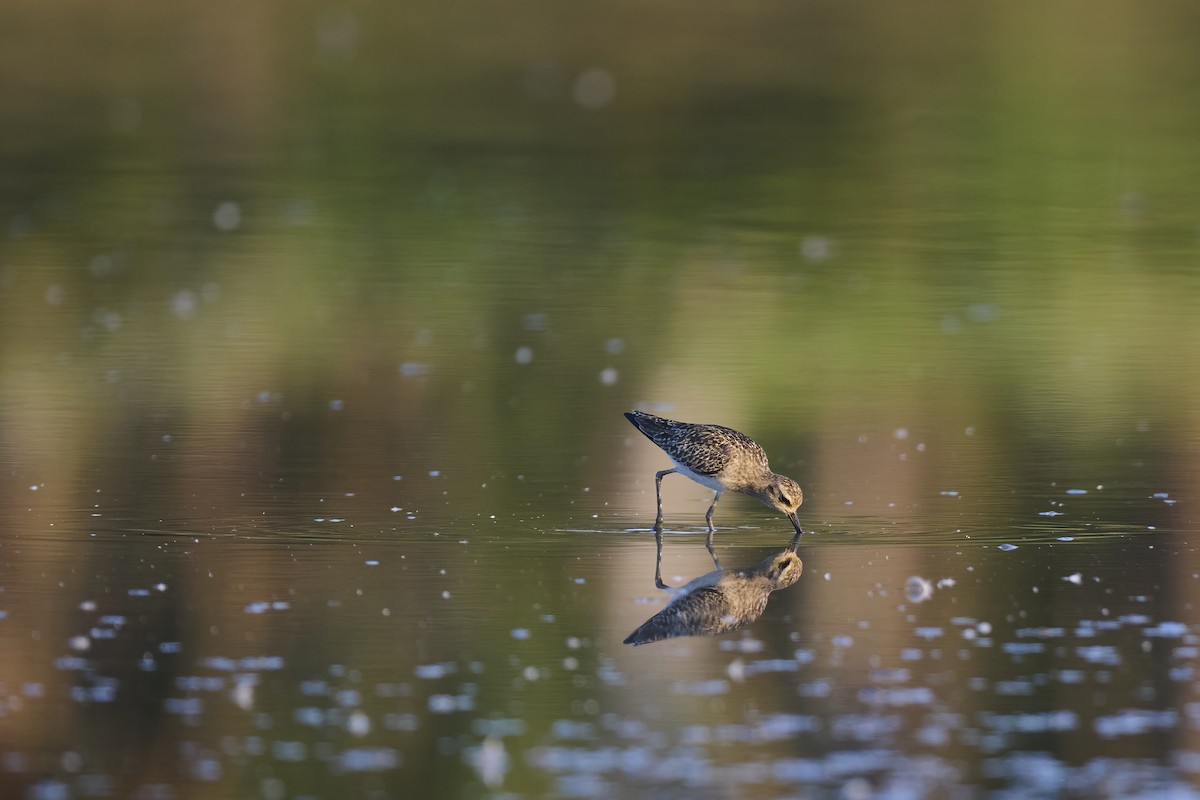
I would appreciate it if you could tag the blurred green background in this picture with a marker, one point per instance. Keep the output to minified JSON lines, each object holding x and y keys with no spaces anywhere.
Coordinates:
{"x":267,"y":265}
{"x":852,"y":210}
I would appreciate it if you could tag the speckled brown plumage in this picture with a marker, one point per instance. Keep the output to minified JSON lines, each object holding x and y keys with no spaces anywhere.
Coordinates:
{"x":722,"y":459}
{"x":704,"y":449}
{"x":721,"y":601}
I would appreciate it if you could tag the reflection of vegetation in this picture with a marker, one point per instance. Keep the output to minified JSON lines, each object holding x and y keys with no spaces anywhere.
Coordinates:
{"x":988,"y":246}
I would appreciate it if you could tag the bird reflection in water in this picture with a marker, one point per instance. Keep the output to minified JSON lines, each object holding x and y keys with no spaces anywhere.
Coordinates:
{"x":724,"y":600}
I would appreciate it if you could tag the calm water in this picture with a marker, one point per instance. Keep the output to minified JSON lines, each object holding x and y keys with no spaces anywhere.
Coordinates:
{"x":316,"y":327}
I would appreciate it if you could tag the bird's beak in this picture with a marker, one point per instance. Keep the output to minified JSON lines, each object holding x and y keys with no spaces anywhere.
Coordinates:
{"x":794,"y":517}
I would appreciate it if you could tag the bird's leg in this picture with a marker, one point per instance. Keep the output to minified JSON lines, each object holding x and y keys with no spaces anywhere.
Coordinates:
{"x":708,"y":516}
{"x":658,"y":581}
{"x":712,"y":530}
{"x":658,"y":476}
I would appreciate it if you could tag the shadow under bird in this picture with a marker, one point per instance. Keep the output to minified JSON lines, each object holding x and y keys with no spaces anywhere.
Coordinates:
{"x":724,"y":600}
{"x":722,"y":459}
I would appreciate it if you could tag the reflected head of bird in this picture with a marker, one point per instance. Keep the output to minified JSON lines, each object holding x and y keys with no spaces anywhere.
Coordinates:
{"x":782,"y":569}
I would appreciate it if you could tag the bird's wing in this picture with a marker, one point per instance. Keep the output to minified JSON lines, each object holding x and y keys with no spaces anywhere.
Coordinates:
{"x":708,"y":449}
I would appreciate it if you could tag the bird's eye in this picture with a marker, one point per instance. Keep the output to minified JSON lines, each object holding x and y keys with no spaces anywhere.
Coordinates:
{"x":783,"y":498}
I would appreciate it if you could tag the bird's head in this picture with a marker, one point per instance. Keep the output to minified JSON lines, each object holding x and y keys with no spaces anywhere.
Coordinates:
{"x":785,"y":496}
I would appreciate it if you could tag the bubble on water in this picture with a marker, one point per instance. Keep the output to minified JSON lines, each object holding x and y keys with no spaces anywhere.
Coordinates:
{"x":917,"y":589}
{"x":1167,"y":629}
{"x":1077,"y":491}
{"x":358,"y":724}
{"x":900,"y":433}
{"x":520,"y":633}
{"x":594,"y":89}
{"x":949,"y":493}
{"x":609,"y":376}
{"x":537,"y":322}
{"x":336,"y":405}
{"x":1075,"y":578}
{"x":1006,"y":547}
{"x":524,"y":355}
{"x":614,"y":346}
{"x":298,"y":213}
{"x":80,"y":643}
{"x":1066,"y":538}
{"x":816,"y":248}
{"x":442,"y":703}
{"x":289,"y":750}
{"x":184,"y":303}
{"x":111,"y":321}
{"x":50,"y":789}
{"x":413,"y":369}
{"x":982,"y":312}
{"x":243,"y":694}
{"x":491,"y":761}
{"x":227,"y":216}
{"x":1135,"y":722}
